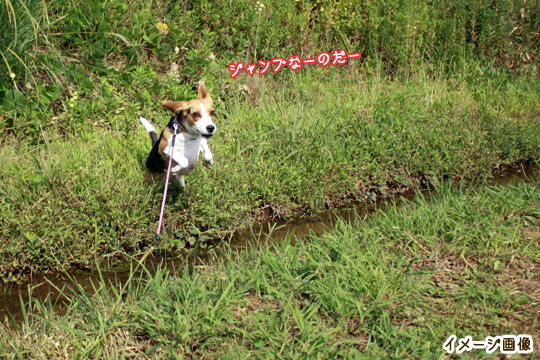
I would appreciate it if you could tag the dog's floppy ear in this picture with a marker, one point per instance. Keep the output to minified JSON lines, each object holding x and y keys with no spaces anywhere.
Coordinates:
{"x":203,"y":92}
{"x":175,"y":106}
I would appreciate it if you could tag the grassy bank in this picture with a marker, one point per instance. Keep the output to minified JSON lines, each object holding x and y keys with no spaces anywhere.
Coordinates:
{"x":55,"y":45}
{"x":396,"y":285}
{"x":443,"y":89}
{"x":283,"y":148}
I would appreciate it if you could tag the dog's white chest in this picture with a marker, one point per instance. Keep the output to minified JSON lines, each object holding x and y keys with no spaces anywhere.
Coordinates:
{"x":186,"y":146}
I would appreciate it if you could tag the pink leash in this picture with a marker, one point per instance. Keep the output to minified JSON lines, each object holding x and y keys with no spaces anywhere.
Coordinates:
{"x":175,"y":127}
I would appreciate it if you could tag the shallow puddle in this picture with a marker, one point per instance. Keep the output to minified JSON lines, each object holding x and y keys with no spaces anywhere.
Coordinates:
{"x":54,"y":287}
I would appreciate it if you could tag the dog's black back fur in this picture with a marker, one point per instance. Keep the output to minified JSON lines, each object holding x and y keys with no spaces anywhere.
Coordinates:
{"x":155,"y":163}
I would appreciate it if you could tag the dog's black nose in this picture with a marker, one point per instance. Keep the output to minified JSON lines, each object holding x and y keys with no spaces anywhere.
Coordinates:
{"x":210,"y":128}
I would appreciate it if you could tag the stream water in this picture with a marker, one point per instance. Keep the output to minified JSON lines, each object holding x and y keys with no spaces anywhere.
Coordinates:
{"x":54,"y":287}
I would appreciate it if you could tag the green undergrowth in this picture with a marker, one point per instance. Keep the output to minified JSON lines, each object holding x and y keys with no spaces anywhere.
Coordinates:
{"x":395,"y":285}
{"x":443,"y":89}
{"x":282,"y":149}
{"x":51,"y":46}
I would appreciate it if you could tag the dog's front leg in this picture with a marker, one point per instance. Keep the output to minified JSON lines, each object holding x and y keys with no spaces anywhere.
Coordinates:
{"x":182,"y":164}
{"x":207,"y":154}
{"x":178,"y":157}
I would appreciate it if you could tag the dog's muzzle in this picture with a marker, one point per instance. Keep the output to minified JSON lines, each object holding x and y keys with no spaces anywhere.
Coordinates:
{"x":210,"y":129}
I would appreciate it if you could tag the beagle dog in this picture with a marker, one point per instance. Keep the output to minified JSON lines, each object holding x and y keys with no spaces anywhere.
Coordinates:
{"x":195,"y":125}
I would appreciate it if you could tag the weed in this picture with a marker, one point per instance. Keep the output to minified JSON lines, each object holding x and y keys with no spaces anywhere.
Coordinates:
{"x":394,"y":285}
{"x":75,"y":198}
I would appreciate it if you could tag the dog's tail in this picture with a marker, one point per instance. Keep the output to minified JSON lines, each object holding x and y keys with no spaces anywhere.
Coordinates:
{"x":150,"y":129}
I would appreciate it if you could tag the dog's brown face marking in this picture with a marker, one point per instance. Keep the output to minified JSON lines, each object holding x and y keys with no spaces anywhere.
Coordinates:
{"x":194,"y":110}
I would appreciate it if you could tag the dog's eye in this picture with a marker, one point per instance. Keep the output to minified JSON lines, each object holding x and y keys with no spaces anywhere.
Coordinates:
{"x":212,"y":113}
{"x":196,"y":114}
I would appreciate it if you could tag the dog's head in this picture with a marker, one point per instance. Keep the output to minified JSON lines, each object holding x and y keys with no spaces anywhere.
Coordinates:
{"x":198,"y":114}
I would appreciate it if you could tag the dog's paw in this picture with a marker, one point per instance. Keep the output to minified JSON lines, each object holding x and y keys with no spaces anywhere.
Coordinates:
{"x":208,"y":163}
{"x":181,"y":161}
{"x":207,"y":160}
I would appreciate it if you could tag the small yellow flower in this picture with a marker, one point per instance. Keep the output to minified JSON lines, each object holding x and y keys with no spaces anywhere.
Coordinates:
{"x":12,"y":75}
{"x":163,"y":28}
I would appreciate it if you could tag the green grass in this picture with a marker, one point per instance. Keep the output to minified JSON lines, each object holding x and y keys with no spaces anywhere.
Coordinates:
{"x":78,"y":43}
{"x":311,"y":144}
{"x":443,"y":89}
{"x":106,"y":51}
{"x":395,"y":285}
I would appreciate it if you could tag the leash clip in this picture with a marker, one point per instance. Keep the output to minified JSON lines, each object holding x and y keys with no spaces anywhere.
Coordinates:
{"x":175,"y":130}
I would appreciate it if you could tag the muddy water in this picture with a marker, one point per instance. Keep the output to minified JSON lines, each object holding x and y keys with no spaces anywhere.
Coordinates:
{"x":54,"y":288}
